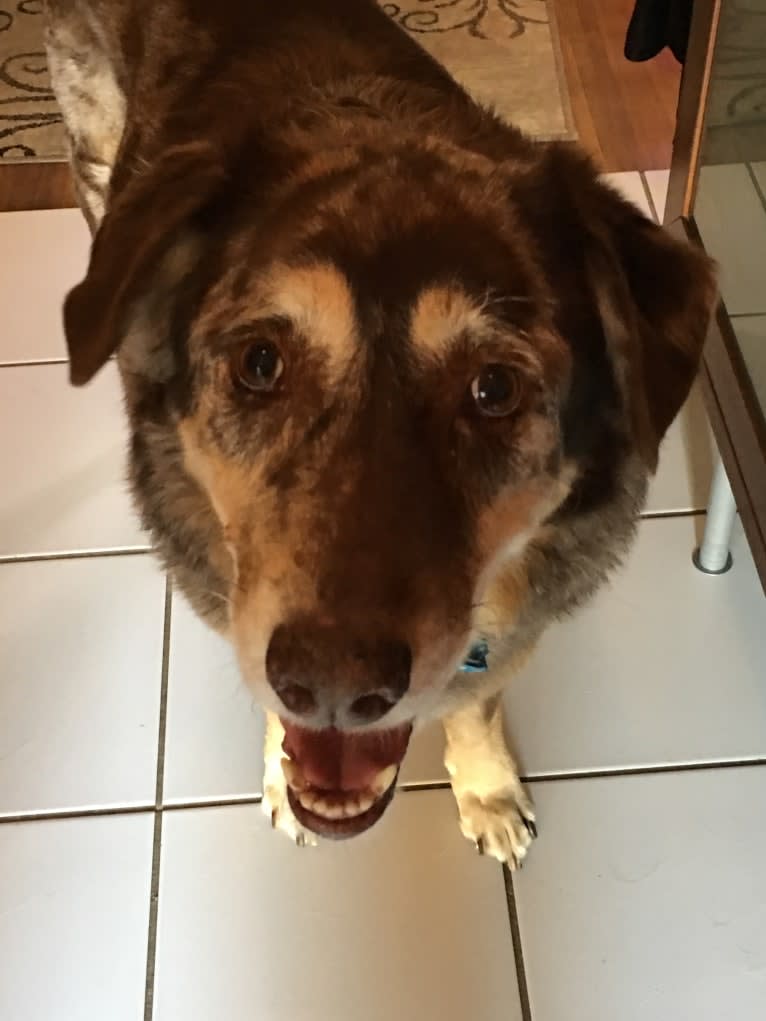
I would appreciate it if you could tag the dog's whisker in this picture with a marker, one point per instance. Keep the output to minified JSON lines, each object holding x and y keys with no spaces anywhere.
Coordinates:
{"x":217,"y":595}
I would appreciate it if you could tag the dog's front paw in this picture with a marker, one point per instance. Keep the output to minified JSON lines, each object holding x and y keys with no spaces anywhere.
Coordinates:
{"x":276,"y":806}
{"x":501,"y":823}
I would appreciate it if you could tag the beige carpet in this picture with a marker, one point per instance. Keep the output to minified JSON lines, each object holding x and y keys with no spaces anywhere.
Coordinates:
{"x":30,"y":123}
{"x":503,"y":51}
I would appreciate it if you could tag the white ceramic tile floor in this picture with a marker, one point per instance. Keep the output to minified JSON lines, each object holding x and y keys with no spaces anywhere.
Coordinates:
{"x":631,"y":186}
{"x":639,"y":898}
{"x":658,"y":188}
{"x":80,"y":682}
{"x":214,"y":736}
{"x":385,"y":926}
{"x":661,"y":669}
{"x":74,"y":918}
{"x":63,"y":464}
{"x":646,"y":898}
{"x":43,"y":255}
{"x":674,"y":663}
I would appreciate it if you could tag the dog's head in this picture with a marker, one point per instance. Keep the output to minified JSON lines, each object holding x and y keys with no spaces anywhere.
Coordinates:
{"x":391,"y":379}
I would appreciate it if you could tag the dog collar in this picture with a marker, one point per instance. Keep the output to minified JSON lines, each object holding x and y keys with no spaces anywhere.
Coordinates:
{"x":476,"y":660}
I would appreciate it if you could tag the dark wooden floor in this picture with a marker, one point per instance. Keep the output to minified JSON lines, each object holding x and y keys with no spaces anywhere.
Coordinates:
{"x":35,"y":186}
{"x":624,"y":112}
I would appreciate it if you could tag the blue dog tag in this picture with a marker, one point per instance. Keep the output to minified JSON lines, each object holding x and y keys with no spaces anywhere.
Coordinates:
{"x":476,"y":661}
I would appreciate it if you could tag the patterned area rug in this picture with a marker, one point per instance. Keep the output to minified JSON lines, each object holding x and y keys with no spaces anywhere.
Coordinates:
{"x":504,"y":52}
{"x":30,"y":123}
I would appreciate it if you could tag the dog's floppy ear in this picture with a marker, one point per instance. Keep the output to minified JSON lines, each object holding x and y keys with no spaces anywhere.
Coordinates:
{"x":655,"y":296}
{"x":136,"y":232}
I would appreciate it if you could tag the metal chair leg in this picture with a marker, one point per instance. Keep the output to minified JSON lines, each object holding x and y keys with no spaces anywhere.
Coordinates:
{"x":713,"y":556}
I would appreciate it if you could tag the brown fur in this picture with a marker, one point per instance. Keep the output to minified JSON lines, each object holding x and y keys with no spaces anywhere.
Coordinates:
{"x":302,"y":174}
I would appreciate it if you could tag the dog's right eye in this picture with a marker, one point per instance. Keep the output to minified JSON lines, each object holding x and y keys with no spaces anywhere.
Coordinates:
{"x":496,"y":391}
{"x":258,"y":366}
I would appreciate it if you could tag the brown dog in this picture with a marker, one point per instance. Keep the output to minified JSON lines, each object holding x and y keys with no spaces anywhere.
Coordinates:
{"x":396,"y":376}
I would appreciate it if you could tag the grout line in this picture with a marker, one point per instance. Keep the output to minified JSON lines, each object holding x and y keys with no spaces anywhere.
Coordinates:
{"x":682,"y":767}
{"x":598,"y":774}
{"x":87,"y":813}
{"x":151,"y":942}
{"x":408,"y":788}
{"x":228,"y":802}
{"x":162,"y":728}
{"x":424,"y":785}
{"x":151,"y":946}
{"x":51,"y":815}
{"x":34,"y":364}
{"x":747,"y":315}
{"x":658,"y":515}
{"x":30,"y":558}
{"x":756,"y":184}
{"x":518,"y":951}
{"x":141,"y":551}
{"x":649,"y":198}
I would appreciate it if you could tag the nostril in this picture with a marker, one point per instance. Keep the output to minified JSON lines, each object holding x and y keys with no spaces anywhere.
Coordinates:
{"x":369,"y":708}
{"x":297,"y":699}
{"x":391,"y":663}
{"x":322,"y":673}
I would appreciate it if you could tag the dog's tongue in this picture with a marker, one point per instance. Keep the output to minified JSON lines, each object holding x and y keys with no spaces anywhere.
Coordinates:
{"x":333,"y":760}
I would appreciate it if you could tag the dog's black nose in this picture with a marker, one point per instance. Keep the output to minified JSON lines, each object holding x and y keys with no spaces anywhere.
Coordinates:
{"x":329,"y":677}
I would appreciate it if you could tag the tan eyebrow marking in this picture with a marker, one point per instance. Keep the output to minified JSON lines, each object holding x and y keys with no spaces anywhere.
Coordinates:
{"x":317,"y":299}
{"x":441,"y":315}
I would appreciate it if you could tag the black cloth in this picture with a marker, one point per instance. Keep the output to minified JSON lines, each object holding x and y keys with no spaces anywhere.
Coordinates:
{"x":656,"y":24}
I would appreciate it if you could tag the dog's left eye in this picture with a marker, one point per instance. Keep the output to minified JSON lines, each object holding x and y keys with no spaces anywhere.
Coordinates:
{"x":496,"y":390}
{"x":258,"y":366}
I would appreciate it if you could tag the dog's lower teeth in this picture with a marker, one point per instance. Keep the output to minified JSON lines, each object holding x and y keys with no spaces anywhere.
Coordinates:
{"x":330,"y":811}
{"x":308,"y":799}
{"x":335,"y":810}
{"x":383,"y":780}
{"x":338,"y":807}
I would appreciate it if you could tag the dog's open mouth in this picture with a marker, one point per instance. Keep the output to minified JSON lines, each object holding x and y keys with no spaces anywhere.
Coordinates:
{"x":339,"y":783}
